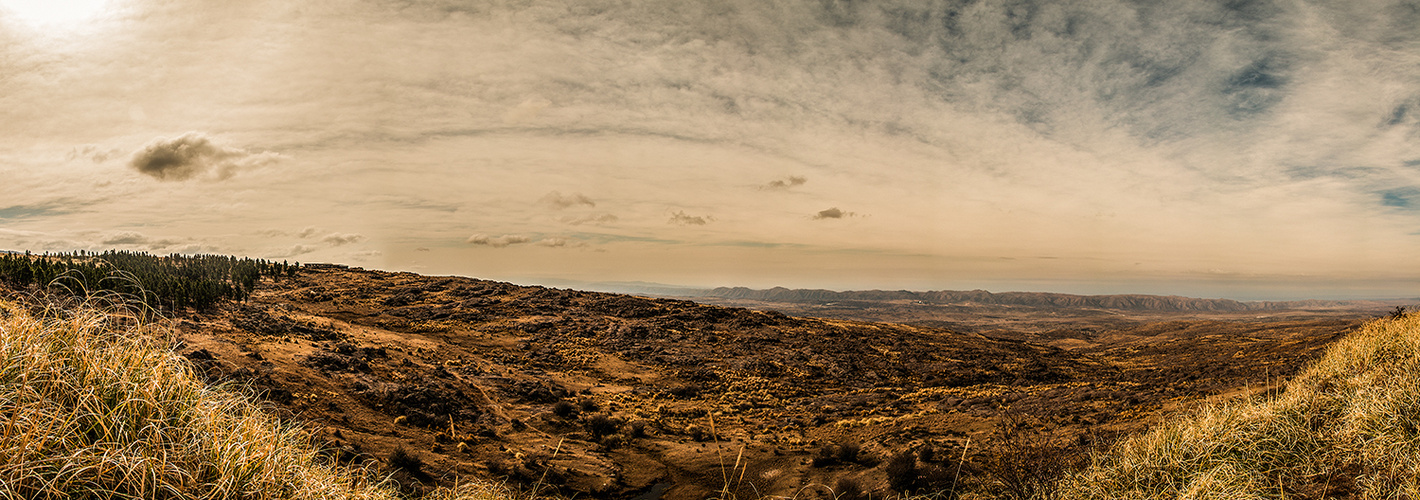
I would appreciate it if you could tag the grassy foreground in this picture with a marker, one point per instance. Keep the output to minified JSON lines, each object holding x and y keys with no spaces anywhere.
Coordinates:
{"x":1348,"y":427}
{"x":96,"y":405}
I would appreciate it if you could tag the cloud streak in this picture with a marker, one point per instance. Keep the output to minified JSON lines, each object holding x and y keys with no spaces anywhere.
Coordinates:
{"x":497,"y":241}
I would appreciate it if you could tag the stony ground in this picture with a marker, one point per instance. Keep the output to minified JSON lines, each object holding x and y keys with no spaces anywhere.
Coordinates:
{"x":610,"y":396}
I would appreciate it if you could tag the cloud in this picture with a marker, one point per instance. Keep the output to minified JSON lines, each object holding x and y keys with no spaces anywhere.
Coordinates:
{"x":192,"y":155}
{"x":337,"y":239}
{"x":126,"y":238}
{"x":330,"y":238}
{"x":784,"y":184}
{"x":497,"y":241}
{"x":553,"y":242}
{"x":135,"y":239}
{"x":367,"y":254}
{"x":559,"y":202}
{"x":593,"y":219}
{"x":16,"y":212}
{"x":681,"y":219}
{"x":833,"y":213}
{"x":93,"y":153}
{"x":296,"y":250}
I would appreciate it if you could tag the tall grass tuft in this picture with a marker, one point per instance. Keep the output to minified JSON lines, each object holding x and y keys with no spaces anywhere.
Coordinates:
{"x":97,"y":405}
{"x":1347,"y":426}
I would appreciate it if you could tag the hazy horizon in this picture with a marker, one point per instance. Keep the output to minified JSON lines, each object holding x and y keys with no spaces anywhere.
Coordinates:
{"x":1248,"y":150}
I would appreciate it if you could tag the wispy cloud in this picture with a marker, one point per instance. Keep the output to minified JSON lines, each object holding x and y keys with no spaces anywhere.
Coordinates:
{"x":94,"y":153}
{"x":680,"y":218}
{"x":337,"y":239}
{"x":784,"y":184}
{"x":593,"y":219}
{"x":497,"y":241}
{"x":557,"y":201}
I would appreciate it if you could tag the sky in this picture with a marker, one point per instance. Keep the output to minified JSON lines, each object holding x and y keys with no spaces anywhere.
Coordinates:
{"x":1239,"y":149}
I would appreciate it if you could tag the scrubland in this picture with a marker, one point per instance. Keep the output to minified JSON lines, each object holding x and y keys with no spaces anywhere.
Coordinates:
{"x":356,"y":384}
{"x":96,"y":404}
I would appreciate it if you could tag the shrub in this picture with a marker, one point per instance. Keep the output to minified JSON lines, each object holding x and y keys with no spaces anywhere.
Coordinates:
{"x":1025,"y":464}
{"x":901,"y":470}
{"x":602,"y":425}
{"x":847,"y":488}
{"x":848,"y":452}
{"x":927,"y":453}
{"x":402,"y":459}
{"x":825,"y":456}
{"x":564,"y":409}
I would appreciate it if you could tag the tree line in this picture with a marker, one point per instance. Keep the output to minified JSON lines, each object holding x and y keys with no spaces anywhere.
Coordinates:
{"x":174,"y":282}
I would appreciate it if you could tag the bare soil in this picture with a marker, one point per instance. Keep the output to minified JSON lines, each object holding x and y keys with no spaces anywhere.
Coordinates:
{"x":612,"y":396}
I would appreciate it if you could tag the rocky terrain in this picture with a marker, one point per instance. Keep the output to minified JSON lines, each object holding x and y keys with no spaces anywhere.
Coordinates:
{"x":612,"y":396}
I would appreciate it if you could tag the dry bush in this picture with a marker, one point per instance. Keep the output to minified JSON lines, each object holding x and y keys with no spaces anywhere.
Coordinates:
{"x":1022,"y":463}
{"x":901,"y":470}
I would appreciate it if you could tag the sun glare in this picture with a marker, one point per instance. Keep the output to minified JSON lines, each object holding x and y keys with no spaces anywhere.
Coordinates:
{"x":52,"y":13}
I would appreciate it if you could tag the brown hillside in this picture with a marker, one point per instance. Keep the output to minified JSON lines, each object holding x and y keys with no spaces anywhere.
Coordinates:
{"x":603,"y":395}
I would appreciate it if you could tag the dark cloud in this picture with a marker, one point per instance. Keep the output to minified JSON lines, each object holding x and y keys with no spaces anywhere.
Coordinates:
{"x":593,"y":219}
{"x":680,"y":218}
{"x":784,"y":184}
{"x":833,"y":213}
{"x":498,"y":241}
{"x":559,"y":202}
{"x":192,"y":155}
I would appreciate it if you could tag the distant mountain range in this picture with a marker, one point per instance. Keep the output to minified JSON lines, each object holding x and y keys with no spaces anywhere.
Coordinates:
{"x":1047,"y":300}
{"x":1132,"y":302}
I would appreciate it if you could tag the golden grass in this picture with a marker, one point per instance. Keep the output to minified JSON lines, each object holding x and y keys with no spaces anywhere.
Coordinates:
{"x":96,"y":405}
{"x":1349,"y":422}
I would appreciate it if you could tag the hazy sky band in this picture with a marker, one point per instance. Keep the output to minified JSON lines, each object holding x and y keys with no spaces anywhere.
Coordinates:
{"x":1240,"y":149}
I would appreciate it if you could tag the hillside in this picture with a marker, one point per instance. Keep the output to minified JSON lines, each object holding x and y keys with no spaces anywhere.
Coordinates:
{"x":1344,"y":428}
{"x":96,"y":405}
{"x":605,"y":395}
{"x":612,"y":396}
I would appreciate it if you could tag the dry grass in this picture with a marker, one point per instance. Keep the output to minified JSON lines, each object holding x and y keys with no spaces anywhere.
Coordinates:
{"x":1347,"y":427}
{"x":96,"y":405}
